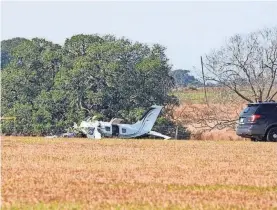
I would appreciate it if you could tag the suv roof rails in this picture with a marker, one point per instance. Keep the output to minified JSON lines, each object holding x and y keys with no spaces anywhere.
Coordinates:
{"x":263,"y":102}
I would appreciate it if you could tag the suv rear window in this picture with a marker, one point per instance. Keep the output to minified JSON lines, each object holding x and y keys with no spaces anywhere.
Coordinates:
{"x":250,"y":109}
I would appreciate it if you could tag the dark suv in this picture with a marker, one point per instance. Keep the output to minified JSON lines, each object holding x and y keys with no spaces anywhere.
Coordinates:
{"x":258,"y":121}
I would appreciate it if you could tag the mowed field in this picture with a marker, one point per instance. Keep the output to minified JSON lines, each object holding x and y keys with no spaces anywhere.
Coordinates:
{"x":40,"y":173}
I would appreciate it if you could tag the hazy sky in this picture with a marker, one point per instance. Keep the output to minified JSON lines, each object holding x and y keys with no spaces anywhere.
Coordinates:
{"x":187,"y":29}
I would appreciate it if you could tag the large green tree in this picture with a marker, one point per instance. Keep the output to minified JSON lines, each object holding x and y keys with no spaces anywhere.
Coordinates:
{"x":48,"y":87}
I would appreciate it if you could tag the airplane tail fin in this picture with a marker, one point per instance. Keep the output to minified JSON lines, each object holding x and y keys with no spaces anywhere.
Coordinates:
{"x":148,"y":119}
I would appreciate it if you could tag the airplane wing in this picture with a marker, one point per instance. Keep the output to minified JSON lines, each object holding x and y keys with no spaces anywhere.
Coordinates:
{"x":116,"y":121}
{"x":154,"y":133}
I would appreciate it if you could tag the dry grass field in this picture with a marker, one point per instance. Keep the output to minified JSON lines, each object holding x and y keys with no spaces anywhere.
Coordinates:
{"x":40,"y":173}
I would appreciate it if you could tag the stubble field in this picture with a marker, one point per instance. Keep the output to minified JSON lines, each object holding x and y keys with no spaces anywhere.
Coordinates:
{"x":39,"y":173}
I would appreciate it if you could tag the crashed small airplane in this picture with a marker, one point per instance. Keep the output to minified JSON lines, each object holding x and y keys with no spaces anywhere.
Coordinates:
{"x":96,"y":129}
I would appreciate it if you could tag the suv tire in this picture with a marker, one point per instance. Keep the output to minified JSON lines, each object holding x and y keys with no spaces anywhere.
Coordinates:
{"x":272,"y":134}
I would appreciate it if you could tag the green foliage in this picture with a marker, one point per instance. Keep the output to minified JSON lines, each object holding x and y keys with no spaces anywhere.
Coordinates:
{"x":6,"y":50}
{"x":48,"y":87}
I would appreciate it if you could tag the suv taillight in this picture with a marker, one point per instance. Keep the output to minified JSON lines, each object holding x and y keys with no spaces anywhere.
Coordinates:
{"x":254,"y":118}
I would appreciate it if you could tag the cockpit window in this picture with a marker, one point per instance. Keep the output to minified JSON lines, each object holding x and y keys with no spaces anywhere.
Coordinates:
{"x":90,"y":130}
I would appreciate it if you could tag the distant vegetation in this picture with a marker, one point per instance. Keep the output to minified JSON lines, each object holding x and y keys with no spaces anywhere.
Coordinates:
{"x":183,"y":78}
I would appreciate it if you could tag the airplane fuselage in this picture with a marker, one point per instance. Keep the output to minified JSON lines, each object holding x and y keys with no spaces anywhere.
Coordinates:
{"x":96,"y":129}
{"x":113,"y":130}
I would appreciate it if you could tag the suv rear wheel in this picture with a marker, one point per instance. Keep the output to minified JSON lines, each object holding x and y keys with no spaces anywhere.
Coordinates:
{"x":272,"y":134}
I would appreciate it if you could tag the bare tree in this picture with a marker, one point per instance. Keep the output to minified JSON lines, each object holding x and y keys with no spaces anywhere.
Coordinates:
{"x":245,"y":69}
{"x":247,"y":65}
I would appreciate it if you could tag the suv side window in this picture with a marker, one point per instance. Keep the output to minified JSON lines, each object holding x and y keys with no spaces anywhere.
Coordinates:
{"x":267,"y":109}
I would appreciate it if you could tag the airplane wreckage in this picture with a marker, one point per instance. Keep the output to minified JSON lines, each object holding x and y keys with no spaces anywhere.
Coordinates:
{"x":95,"y":129}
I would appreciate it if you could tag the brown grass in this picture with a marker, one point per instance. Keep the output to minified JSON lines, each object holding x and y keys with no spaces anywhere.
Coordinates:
{"x":218,"y":135}
{"x":39,"y":173}
{"x":200,"y":120}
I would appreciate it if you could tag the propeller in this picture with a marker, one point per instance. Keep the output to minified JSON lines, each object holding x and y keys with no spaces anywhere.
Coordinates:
{"x":97,"y":134}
